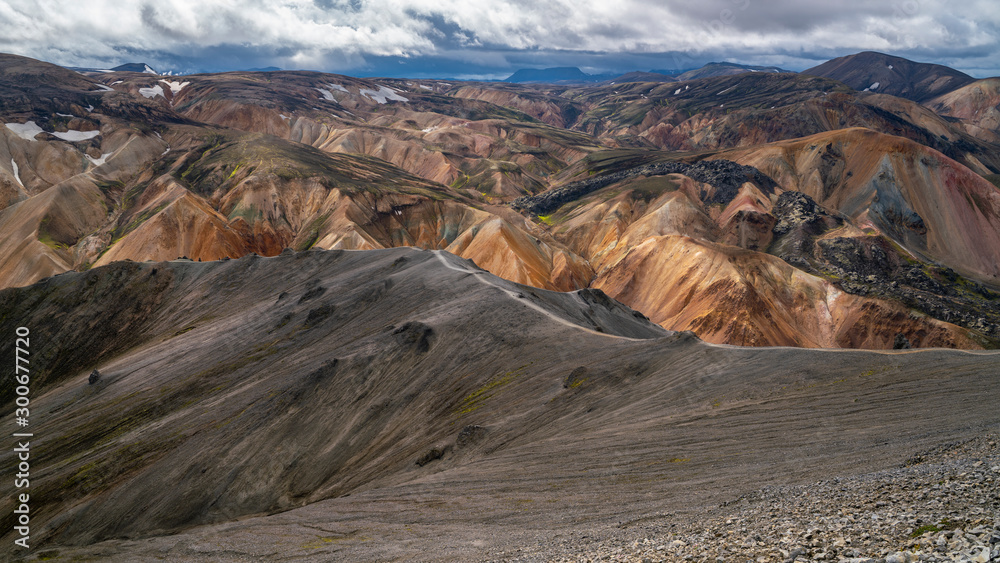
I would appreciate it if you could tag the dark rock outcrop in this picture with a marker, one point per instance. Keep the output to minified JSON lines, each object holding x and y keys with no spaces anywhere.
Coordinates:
{"x":901,"y":342}
{"x":414,"y":334}
{"x":723,"y":175}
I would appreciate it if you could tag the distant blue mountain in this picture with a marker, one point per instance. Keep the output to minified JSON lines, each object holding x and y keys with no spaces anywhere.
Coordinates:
{"x":558,"y":75}
{"x":135,"y":67}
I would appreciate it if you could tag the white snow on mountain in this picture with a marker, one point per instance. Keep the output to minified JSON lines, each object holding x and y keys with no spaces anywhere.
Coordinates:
{"x":17,"y":176}
{"x":382,"y":95}
{"x":74,"y":136}
{"x":25,"y":130}
{"x":152,"y":92}
{"x":98,"y":161}
{"x":175,"y":87}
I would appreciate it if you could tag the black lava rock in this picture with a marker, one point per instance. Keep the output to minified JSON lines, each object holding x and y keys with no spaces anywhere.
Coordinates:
{"x":724,"y":175}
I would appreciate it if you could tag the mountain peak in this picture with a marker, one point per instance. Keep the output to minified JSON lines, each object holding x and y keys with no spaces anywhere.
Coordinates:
{"x":135,"y":67}
{"x":564,"y":74}
{"x":888,"y":74}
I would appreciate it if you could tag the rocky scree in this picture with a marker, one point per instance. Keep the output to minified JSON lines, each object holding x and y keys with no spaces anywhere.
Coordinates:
{"x":941,"y":505}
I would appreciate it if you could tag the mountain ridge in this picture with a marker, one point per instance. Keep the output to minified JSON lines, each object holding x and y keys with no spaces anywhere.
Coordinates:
{"x":142,"y":167}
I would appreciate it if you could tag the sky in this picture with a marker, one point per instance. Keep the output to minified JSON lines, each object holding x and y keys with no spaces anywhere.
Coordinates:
{"x":491,"y":39}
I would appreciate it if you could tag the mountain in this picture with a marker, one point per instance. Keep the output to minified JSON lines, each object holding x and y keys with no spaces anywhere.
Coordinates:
{"x":352,"y":391}
{"x":976,"y":105}
{"x":707,"y":71}
{"x":886,"y":74}
{"x":135,"y":67}
{"x":682,"y":243}
{"x":752,"y":108}
{"x":356,"y":319}
{"x":558,"y":186}
{"x":557,"y":75}
{"x":725,"y":69}
{"x":637,"y":76}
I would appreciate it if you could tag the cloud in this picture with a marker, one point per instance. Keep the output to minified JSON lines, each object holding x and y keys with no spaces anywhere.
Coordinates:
{"x":346,"y":35}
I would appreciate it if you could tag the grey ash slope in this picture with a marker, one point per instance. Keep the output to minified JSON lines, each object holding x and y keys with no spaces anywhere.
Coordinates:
{"x":264,"y":384}
{"x":402,"y":404}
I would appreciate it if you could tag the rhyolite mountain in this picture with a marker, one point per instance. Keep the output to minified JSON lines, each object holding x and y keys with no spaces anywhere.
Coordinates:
{"x":757,"y":208}
{"x":303,"y":316}
{"x":976,"y":105}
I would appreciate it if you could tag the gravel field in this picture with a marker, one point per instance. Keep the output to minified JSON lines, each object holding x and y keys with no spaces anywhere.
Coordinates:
{"x":943,"y":505}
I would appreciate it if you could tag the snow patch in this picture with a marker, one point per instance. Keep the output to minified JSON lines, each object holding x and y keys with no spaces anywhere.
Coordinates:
{"x":74,"y":136}
{"x":148,"y":70}
{"x":429,"y":129}
{"x":686,"y":86}
{"x":425,"y":87}
{"x":166,"y":151}
{"x":285,"y":117}
{"x":25,"y":131}
{"x":16,"y":175}
{"x":726,"y":90}
{"x":98,"y":161}
{"x":874,"y":86}
{"x":382,"y":95}
{"x":152,"y":92}
{"x":678,"y":91}
{"x":175,"y":87}
{"x":338,"y":88}
{"x":890,"y":67}
{"x":103,"y":88}
{"x":64,"y":114}
{"x":90,"y":108}
{"x":327,"y":95}
{"x":117,"y":82}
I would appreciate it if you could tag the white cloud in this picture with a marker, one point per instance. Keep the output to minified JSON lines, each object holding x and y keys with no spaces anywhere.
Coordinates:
{"x":341,"y":33}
